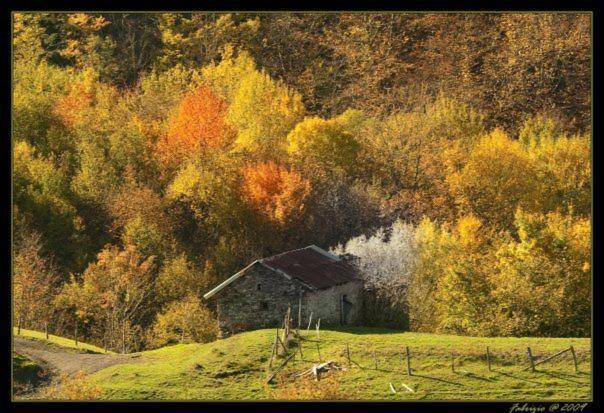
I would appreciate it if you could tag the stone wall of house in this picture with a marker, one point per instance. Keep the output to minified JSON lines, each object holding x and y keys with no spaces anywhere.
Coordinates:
{"x":261,"y":297}
{"x":327,"y":304}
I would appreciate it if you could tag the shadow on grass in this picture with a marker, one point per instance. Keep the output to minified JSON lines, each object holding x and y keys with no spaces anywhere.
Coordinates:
{"x":516,"y":377}
{"x":437,"y":379}
{"x":473,"y":376}
{"x":562,"y":376}
{"x":365,"y":330}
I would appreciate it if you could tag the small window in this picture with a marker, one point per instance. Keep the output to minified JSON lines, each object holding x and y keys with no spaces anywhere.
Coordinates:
{"x":259,"y":287}
{"x":264,"y":305}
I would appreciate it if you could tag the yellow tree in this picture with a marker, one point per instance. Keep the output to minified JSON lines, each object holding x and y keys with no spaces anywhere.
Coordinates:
{"x":324,"y":143}
{"x":498,"y":177}
{"x":261,"y":110}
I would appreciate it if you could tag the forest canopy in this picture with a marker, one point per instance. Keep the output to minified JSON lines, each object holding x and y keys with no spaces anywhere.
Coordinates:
{"x":154,"y":155}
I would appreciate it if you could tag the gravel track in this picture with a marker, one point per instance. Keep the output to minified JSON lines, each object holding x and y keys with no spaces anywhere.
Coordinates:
{"x":66,"y":360}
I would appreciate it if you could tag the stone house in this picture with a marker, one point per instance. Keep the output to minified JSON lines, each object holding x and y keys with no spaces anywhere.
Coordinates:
{"x":307,"y":280}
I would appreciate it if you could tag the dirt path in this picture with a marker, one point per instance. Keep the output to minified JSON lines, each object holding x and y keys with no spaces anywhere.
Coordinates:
{"x":65,"y":360}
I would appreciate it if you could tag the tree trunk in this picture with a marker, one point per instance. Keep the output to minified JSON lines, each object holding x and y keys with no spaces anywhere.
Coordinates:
{"x":124,"y":338}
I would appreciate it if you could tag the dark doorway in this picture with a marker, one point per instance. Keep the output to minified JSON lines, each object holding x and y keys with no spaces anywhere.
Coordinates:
{"x":346,"y":307}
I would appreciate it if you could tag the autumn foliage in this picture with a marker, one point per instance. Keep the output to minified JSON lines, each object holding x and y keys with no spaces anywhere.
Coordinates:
{"x":275,"y":191}
{"x":70,"y":107}
{"x":199,"y":124}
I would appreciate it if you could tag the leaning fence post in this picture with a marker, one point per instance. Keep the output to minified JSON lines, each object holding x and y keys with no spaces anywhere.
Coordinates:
{"x":408,"y":360}
{"x":572,"y":351}
{"x":309,"y":321}
{"x":318,"y":328}
{"x":530,"y":355}
{"x":274,"y":352}
{"x":488,"y":359}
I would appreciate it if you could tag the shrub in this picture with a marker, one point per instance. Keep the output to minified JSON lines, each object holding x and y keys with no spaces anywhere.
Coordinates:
{"x":185,"y":320}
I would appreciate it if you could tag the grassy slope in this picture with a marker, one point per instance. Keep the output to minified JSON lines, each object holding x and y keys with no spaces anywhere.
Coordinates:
{"x":234,"y":368}
{"x":61,"y":341}
{"x":25,"y":370}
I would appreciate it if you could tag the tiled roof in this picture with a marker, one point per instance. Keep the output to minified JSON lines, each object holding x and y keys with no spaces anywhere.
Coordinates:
{"x":311,"y":266}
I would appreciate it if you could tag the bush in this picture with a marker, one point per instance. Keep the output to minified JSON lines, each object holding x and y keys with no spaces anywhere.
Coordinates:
{"x":77,"y":387}
{"x":329,"y":388}
{"x":185,"y":320}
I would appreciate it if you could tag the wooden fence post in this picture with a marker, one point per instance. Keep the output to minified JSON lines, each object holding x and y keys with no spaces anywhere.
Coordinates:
{"x":348,"y":355}
{"x":375,"y":360}
{"x":309,"y":321}
{"x":489,"y":359}
{"x":530,"y":355}
{"x":274,"y":352}
{"x":300,"y":347}
{"x":319,"y":352}
{"x":408,"y":360}
{"x":572,"y":351}
{"x":300,"y":311}
{"x":452,"y":362}
{"x":123,"y":338}
{"x":318,"y":328}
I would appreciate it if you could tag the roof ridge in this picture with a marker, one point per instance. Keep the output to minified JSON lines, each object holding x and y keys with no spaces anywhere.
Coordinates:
{"x":289,"y":251}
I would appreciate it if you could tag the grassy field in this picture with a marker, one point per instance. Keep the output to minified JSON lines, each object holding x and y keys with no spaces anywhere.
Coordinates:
{"x":235,"y":369}
{"x":61,"y":341}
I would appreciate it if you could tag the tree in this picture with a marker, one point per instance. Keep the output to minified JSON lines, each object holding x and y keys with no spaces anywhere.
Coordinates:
{"x":114,"y":295}
{"x":433,"y":251}
{"x":34,"y":284}
{"x":411,"y":154}
{"x":326,"y":143}
{"x":386,"y":261}
{"x":498,"y":177}
{"x":198,"y":126}
{"x":541,"y":285}
{"x":261,"y":110}
{"x":463,"y":295}
{"x":184,"y":321}
{"x":276,"y":192}
{"x":179,"y":277}
{"x":41,"y":190}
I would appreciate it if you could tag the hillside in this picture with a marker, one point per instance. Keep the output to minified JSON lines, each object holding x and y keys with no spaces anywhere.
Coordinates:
{"x":234,"y":368}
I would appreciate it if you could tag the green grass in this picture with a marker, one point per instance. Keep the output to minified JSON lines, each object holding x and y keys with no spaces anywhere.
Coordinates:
{"x":234,"y":368}
{"x":26,"y":373}
{"x":61,"y":341}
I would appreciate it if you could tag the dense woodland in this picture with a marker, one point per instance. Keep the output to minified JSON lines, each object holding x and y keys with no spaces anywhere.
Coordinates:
{"x":154,"y":155}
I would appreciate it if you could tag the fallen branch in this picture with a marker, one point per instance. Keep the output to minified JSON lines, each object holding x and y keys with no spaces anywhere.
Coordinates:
{"x":408,"y":388}
{"x":272,"y":376}
{"x":549,"y":358}
{"x":317,"y":369}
